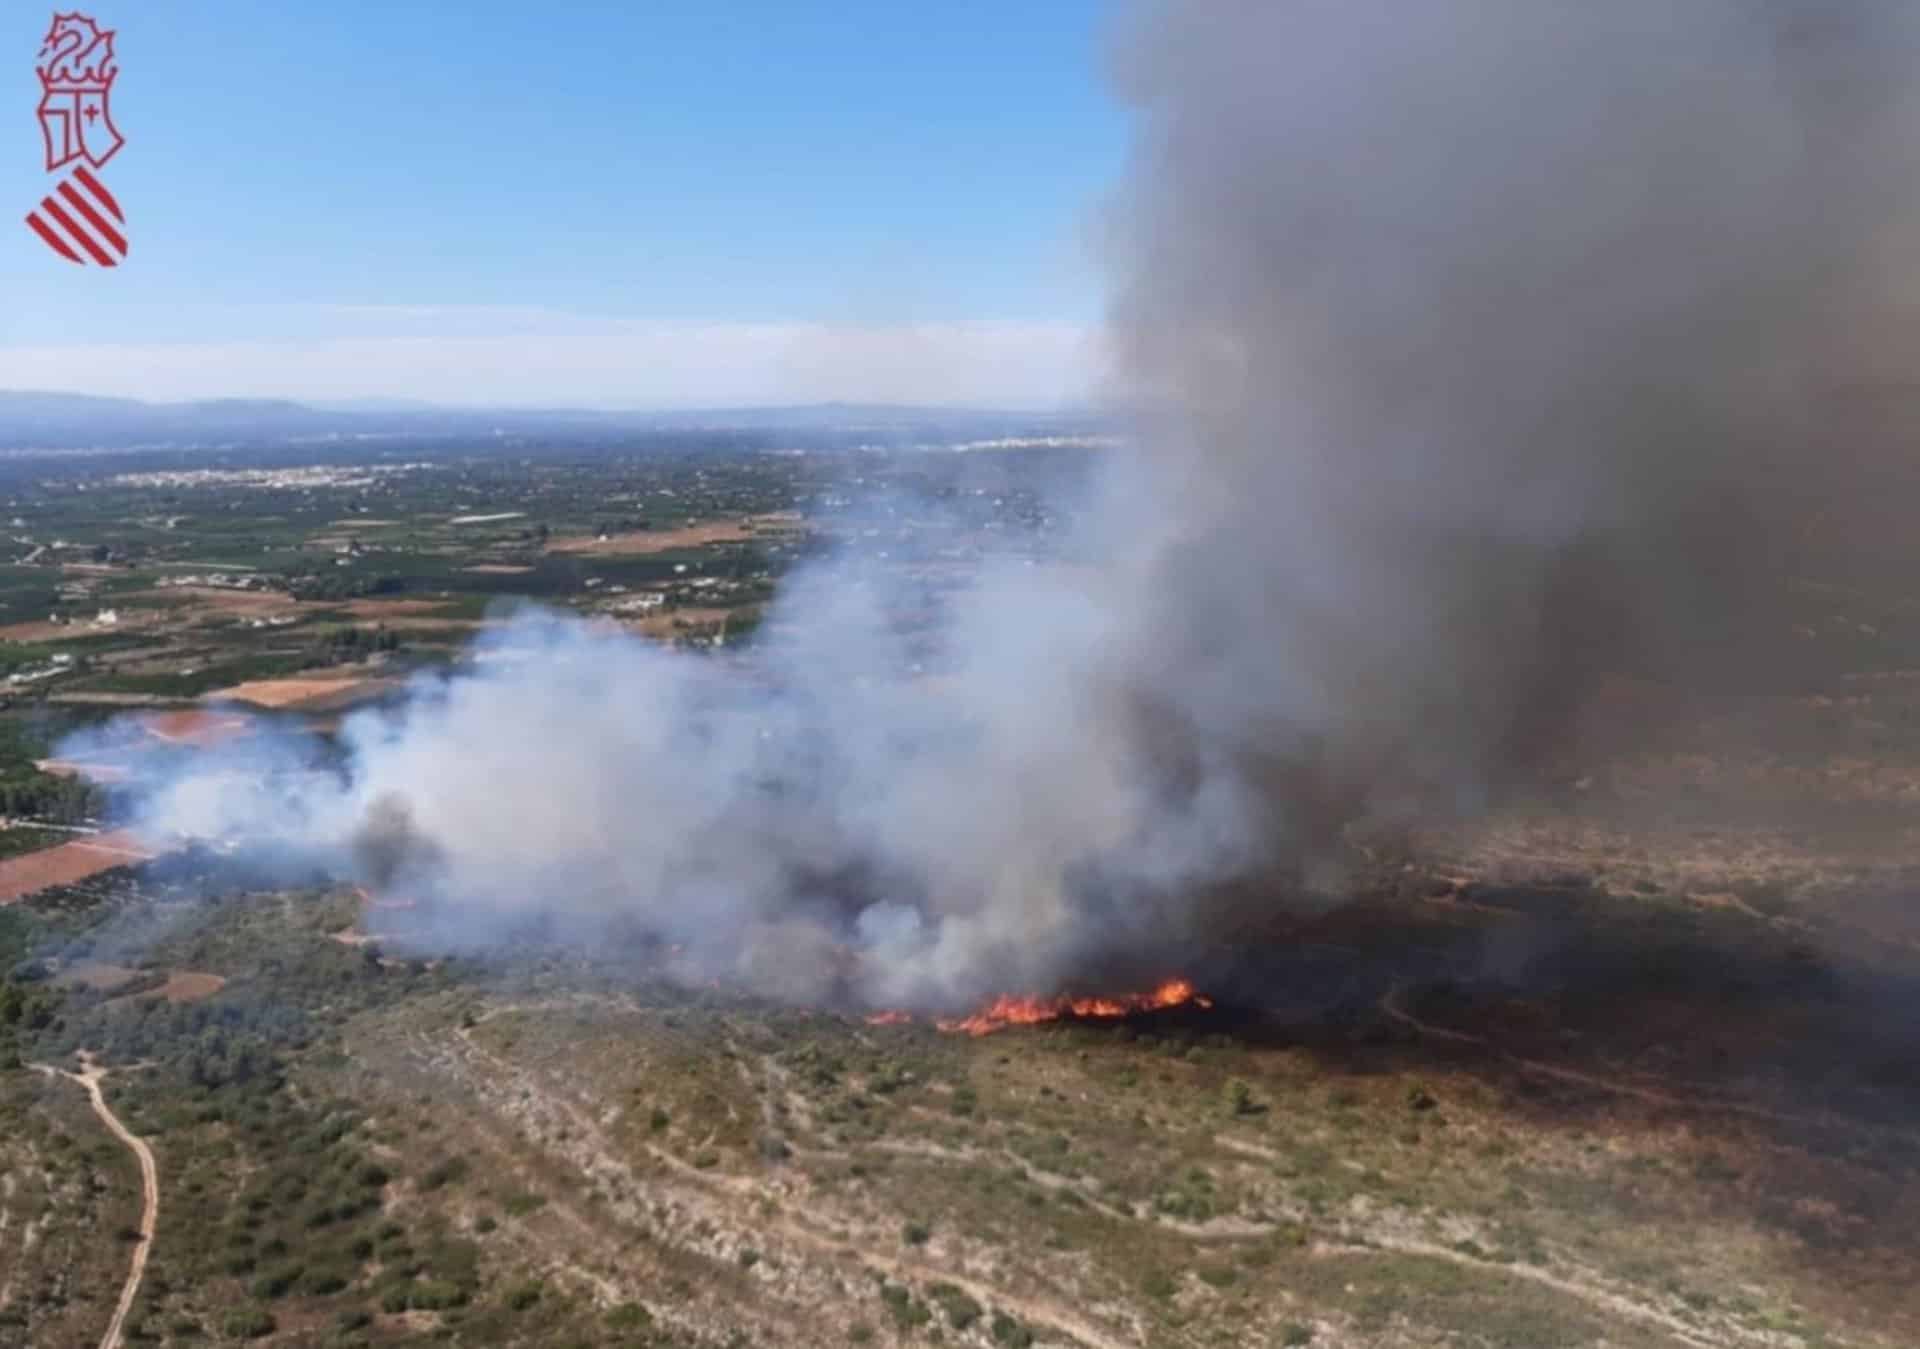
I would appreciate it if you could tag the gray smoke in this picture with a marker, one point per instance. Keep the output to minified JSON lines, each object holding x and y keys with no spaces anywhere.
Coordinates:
{"x":1501,"y":334}
{"x":1484,"y":345}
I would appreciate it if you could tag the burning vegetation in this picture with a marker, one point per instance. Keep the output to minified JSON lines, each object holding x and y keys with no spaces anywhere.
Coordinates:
{"x":1009,"y":1010}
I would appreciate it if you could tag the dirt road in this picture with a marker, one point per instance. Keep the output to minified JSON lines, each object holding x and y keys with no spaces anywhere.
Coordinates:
{"x":90,"y":1076}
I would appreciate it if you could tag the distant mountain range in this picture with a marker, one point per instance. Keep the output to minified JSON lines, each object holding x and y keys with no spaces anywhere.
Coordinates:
{"x":58,"y":421}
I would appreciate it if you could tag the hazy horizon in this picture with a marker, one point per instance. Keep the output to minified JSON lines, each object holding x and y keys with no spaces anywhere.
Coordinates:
{"x":664,"y":216}
{"x":375,"y":404}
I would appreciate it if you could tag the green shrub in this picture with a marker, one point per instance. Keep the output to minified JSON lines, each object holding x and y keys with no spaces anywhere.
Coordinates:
{"x":433,"y":1295}
{"x":1010,"y":1332}
{"x":961,"y":1309}
{"x":524,"y":1295}
{"x":907,"y":1313}
{"x":1159,"y":1284}
{"x":444,"y":1172}
{"x":326,"y":1281}
{"x":521,"y":1203}
{"x":248,"y":1323}
{"x":916,"y":1234}
{"x":1296,"y":1335}
{"x":277,"y":1283}
{"x":630,"y":1316}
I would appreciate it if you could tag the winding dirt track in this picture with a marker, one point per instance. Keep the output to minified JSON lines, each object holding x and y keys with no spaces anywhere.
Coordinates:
{"x":90,"y":1076}
{"x":1040,"y":1311}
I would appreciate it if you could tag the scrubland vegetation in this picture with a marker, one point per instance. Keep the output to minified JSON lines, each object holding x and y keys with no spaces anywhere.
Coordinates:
{"x":358,"y":1147}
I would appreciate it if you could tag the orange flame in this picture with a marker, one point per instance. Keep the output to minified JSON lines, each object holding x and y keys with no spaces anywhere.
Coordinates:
{"x":889,"y":1018}
{"x":1007,"y":1011}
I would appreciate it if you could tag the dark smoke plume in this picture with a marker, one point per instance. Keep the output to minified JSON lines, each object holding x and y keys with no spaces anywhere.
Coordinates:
{"x":1508,"y":343}
{"x":1487,"y":346}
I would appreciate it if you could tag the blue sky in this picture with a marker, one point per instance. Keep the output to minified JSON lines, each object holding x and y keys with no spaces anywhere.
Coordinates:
{"x":643,"y":204}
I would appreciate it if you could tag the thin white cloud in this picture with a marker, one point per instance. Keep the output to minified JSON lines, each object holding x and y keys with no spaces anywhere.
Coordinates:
{"x":543,"y":359}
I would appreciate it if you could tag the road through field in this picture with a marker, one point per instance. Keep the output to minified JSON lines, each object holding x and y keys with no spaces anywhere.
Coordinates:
{"x":90,"y":1076}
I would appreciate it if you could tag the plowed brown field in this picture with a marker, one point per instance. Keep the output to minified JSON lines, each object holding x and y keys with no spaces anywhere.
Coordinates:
{"x":70,"y":862}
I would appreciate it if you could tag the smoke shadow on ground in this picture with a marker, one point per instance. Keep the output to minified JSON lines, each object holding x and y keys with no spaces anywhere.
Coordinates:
{"x":1805,"y":1027}
{"x":1780,"y":1057}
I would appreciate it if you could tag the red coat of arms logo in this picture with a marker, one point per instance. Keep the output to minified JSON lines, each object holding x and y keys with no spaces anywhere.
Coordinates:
{"x":79,"y":219}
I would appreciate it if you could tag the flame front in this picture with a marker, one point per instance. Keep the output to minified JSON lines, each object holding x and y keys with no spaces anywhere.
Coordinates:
{"x":1007,"y":1010}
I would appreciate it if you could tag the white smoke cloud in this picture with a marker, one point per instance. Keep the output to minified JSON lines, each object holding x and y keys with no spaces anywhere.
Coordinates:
{"x":1496,"y":344}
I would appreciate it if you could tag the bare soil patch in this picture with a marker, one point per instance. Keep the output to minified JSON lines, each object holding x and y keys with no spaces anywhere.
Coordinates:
{"x":679,"y":622}
{"x":218,"y":597}
{"x":394,"y":608}
{"x":68,"y":863}
{"x":497,"y":569}
{"x":103,"y":698}
{"x":641,"y":542}
{"x":192,"y":726}
{"x":96,"y":975}
{"x":93,"y":770}
{"x":434,"y":624}
{"x":188,"y":986}
{"x":34,"y":632}
{"x":43,"y":631}
{"x":316,"y":692}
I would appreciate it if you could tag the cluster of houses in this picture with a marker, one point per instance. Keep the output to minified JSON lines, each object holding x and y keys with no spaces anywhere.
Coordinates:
{"x":220,"y":580}
{"x":58,"y":663}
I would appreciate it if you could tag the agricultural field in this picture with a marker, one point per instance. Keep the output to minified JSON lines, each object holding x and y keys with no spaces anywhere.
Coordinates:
{"x":136,"y":579}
